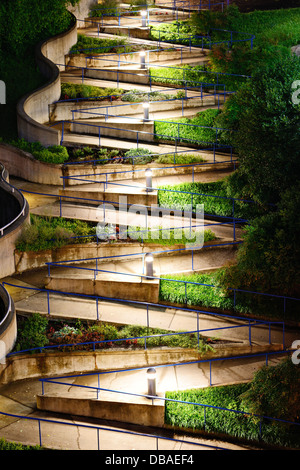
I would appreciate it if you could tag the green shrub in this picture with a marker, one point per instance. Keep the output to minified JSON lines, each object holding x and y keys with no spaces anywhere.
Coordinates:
{"x":269,"y":384}
{"x":73,"y":91}
{"x":45,"y":233}
{"x":180,"y":159}
{"x":136,"y":96}
{"x":169,"y":237}
{"x":32,"y":333}
{"x":98,"y":46}
{"x":5,"y":445}
{"x":215,"y":197}
{"x":194,"y":289}
{"x":139,"y":156}
{"x":200,"y":128}
{"x":56,"y":154}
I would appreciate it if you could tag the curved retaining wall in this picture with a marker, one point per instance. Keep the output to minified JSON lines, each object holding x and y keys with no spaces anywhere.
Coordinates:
{"x":8,"y":322}
{"x":18,"y":214}
{"x":23,"y":165}
{"x":32,"y":109}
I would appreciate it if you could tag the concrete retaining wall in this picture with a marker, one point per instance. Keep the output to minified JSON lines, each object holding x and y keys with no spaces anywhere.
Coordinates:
{"x":136,"y":289}
{"x":140,"y":132}
{"x":112,"y":60}
{"x":24,"y":165}
{"x":32,"y":109}
{"x":8,"y":327}
{"x":51,"y":364}
{"x":81,"y":11}
{"x":125,"y":412}
{"x":25,"y":261}
{"x":29,"y":366}
{"x":13,"y":231}
{"x":63,"y":111}
{"x":140,"y":197}
{"x":130,"y":76}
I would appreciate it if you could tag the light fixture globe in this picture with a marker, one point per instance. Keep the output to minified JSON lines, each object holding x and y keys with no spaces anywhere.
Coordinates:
{"x":151,"y":377}
{"x":149,"y":265}
{"x":144,"y":18}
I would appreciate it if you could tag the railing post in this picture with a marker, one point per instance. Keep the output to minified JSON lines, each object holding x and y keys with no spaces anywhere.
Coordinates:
{"x":40,"y":432}
{"x":147,"y":315}
{"x":48,"y":302}
{"x":198,"y":328}
{"x":97,"y":308}
{"x":62,"y":132}
{"x":98,"y":439}
{"x":250,"y":332}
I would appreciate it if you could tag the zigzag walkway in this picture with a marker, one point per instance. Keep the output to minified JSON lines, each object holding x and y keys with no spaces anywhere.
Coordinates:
{"x":19,"y":399}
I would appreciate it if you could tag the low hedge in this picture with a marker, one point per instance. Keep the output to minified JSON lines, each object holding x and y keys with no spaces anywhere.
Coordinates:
{"x":200,"y":129}
{"x":169,"y":237}
{"x":44,"y":233}
{"x":73,"y":91}
{"x":212,"y":294}
{"x":193,"y":76}
{"x":213,"y":195}
{"x":56,"y":154}
{"x":238,"y":425}
{"x":273,"y":392}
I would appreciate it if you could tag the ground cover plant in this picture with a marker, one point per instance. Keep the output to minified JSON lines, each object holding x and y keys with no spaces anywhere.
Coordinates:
{"x":210,"y":291}
{"x":199,"y":128}
{"x":6,"y":445}
{"x":98,"y":46}
{"x":90,"y":45}
{"x":56,"y":154}
{"x":215,"y":196}
{"x":37,"y":331}
{"x":197,"y":77}
{"x":45,"y":233}
{"x":266,"y":395}
{"x":169,"y":237}
{"x":73,"y":91}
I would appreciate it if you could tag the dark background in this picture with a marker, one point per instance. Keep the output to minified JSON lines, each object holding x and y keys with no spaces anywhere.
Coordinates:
{"x":250,"y":5}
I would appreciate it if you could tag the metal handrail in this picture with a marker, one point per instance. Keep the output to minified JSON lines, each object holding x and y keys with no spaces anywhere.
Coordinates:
{"x":12,"y":189}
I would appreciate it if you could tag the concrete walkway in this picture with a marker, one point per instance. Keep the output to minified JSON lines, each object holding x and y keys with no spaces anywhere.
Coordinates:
{"x":70,"y":434}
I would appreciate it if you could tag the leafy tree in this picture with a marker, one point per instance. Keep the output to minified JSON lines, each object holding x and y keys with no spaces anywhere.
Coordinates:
{"x":275,"y":392}
{"x":267,"y":130}
{"x":268,"y":259}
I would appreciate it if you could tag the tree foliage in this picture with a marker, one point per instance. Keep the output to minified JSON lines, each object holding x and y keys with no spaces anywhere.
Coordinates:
{"x":27,"y":22}
{"x":267,"y":130}
{"x":275,"y":392}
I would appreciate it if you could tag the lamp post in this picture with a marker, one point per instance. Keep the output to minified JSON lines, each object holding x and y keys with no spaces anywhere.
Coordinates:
{"x":149,"y":265}
{"x":146,"y":111}
{"x":151,"y":376}
{"x":142,"y":59}
{"x":148,"y":174}
{"x":144,"y":20}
